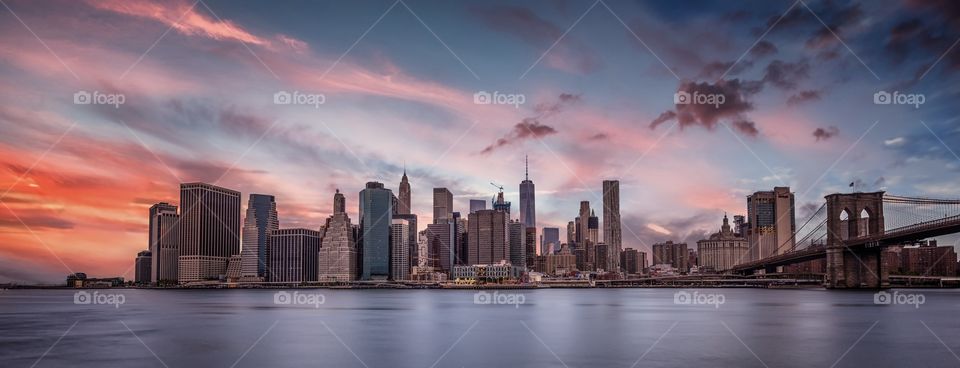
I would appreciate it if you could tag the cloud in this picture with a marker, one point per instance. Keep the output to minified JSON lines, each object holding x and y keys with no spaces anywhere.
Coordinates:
{"x":803,"y":96}
{"x":733,"y":108}
{"x":762,"y":49}
{"x":599,"y":137}
{"x":526,"y":129}
{"x":786,"y":75}
{"x":824,"y":134}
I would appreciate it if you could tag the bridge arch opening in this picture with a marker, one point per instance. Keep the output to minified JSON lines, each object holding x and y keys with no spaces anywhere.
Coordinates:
{"x":863,"y":223}
{"x":844,"y":224}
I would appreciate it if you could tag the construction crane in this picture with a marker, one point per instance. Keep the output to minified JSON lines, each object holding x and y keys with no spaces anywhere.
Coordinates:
{"x":497,"y":186}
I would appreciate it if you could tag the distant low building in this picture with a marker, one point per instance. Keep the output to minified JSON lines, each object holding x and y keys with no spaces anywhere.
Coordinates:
{"x":677,"y":255}
{"x":561,"y":263}
{"x":928,"y":259}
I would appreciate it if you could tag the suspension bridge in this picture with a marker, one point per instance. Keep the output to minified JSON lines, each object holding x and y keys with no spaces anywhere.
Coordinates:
{"x":850,"y":230}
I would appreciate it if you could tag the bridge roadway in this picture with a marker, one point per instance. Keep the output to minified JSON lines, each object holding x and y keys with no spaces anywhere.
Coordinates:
{"x":915,"y":232}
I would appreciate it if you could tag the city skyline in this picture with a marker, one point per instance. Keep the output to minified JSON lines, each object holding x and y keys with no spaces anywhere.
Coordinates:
{"x":199,"y":107}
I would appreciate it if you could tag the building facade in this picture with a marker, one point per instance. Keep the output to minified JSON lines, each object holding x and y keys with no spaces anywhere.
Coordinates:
{"x":722,"y":250}
{"x":442,"y":205}
{"x":612,"y":233}
{"x":164,"y":244}
{"x":209,"y":230}
{"x":337,"y":259}
{"x":260,"y":221}
{"x":560,"y":263}
{"x":376,"y":210}
{"x":293,"y":256}
{"x":676,"y":255}
{"x":399,"y":250}
{"x":551,"y":237}
{"x":771,"y":222}
{"x":403,"y":196}
{"x":142,"y":266}
{"x":518,"y":244}
{"x":488,"y":237}
{"x":528,"y":208}
{"x":477,"y":204}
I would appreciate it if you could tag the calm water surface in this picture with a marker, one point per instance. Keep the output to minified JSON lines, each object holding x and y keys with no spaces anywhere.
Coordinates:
{"x":445,"y":328}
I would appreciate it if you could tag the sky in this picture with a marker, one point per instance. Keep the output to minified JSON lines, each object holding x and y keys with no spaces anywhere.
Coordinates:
{"x":593,"y":84}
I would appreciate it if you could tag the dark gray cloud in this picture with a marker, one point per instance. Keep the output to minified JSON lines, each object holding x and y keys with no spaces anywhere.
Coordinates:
{"x":803,"y":96}
{"x":526,"y":129}
{"x":762,"y":49}
{"x":786,"y":75}
{"x":733,"y":108}
{"x":822,"y":134}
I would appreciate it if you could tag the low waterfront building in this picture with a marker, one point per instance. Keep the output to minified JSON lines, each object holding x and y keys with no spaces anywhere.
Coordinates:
{"x":561,"y":263}
{"x":498,"y":272}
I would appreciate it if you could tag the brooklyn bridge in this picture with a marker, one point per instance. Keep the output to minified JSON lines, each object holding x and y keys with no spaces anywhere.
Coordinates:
{"x":851,"y":230}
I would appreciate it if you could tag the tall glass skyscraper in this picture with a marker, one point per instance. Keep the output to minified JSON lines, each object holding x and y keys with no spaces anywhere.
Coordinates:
{"x":528,"y":209}
{"x":260,"y":221}
{"x":551,"y":236}
{"x":376,"y":210}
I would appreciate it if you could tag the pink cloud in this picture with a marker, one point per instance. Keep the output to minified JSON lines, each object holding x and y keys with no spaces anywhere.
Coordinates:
{"x":183,"y":17}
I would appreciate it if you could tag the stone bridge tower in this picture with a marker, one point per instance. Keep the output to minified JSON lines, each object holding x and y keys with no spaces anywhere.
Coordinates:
{"x":854,"y":216}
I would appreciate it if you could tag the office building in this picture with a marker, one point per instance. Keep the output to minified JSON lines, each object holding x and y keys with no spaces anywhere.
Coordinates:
{"x":612,"y":234}
{"x":260,"y":221}
{"x":571,"y":233}
{"x":602,"y":250}
{"x":209,"y":231}
{"x":337,"y":259}
{"x":770,"y":222}
{"x":376,"y":210}
{"x":442,"y":205}
{"x":676,"y":255}
{"x":488,"y":237}
{"x":518,"y":244}
{"x":501,"y":205}
{"x":142,"y":266}
{"x":722,"y":250}
{"x":399,"y":249}
{"x":403,"y":203}
{"x":293,"y":256}
{"x":413,"y":252}
{"x":441,"y":245}
{"x":164,"y":244}
{"x":560,"y":263}
{"x":550,"y":238}
{"x":628,"y":260}
{"x":528,"y":208}
{"x":530,"y":246}
{"x":477,"y":204}
{"x":927,"y":259}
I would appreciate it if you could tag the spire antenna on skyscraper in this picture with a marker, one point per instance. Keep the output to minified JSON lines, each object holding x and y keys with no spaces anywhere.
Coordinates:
{"x":526,"y":167}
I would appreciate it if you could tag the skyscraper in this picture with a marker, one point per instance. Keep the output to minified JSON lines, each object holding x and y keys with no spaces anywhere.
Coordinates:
{"x":209,"y":231}
{"x":260,"y":221}
{"x":375,"y":219}
{"x":338,"y":248}
{"x":164,"y":243}
{"x":551,"y":236}
{"x":442,"y":205}
{"x":530,"y":247}
{"x":404,"y":195}
{"x":399,"y":249}
{"x":293,"y":256}
{"x":771,"y":222}
{"x":477,"y":204}
{"x":488,"y":237}
{"x":518,"y":244}
{"x":528,"y":212}
{"x":441,"y":245}
{"x":583,"y":223}
{"x":612,"y":234}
